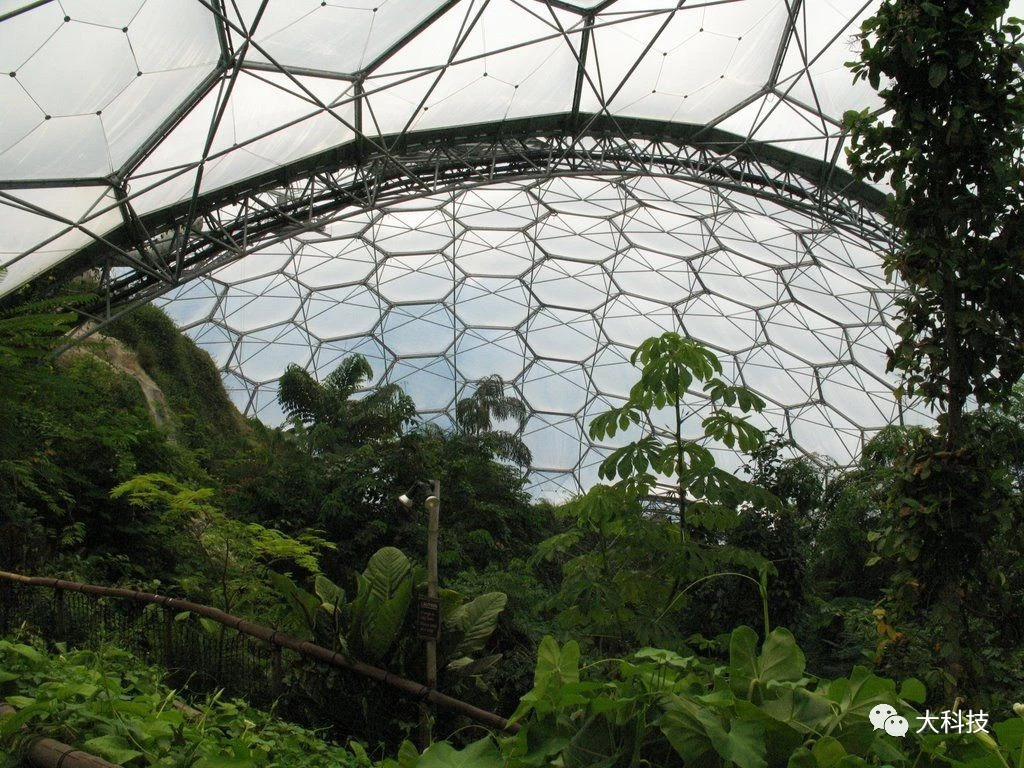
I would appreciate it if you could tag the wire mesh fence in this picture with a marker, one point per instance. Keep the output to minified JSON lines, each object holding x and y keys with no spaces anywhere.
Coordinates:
{"x":205,"y":656}
{"x":201,"y":659}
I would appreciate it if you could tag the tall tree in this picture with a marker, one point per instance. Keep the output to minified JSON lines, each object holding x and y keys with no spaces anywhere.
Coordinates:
{"x":476,"y":416}
{"x":950,"y":143}
{"x":332,"y":412}
{"x":639,"y":547}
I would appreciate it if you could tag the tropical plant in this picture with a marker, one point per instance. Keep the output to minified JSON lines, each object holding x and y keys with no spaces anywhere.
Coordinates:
{"x":476,"y":416}
{"x":332,"y":417}
{"x":111,"y":705}
{"x":762,"y":708}
{"x":950,"y":141}
{"x":371,"y":625}
{"x":376,"y":626}
{"x":32,"y":486}
{"x":951,"y":144}
{"x":635,"y":549}
{"x":226,"y":559}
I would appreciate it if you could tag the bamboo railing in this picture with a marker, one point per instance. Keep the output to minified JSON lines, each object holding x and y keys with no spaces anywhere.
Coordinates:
{"x":49,"y":753}
{"x":276,"y":639}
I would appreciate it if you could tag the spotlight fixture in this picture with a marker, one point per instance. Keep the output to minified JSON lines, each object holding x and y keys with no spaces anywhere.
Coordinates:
{"x":408,"y":499}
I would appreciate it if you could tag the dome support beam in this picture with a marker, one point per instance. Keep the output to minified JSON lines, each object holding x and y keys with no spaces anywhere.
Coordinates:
{"x":231,"y":223}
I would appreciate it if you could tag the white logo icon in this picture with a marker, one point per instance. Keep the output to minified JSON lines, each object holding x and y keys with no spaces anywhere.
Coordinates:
{"x":878,"y":715}
{"x":884,"y":718}
{"x":896,"y":725}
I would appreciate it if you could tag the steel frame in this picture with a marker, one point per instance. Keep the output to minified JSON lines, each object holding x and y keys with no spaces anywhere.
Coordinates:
{"x":208,"y":232}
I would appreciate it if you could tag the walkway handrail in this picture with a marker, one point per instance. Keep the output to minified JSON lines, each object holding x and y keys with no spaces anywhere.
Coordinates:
{"x":316,"y":652}
{"x":50,"y":753}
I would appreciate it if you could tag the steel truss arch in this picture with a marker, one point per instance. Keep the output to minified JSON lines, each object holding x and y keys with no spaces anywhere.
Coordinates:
{"x":210,"y":231}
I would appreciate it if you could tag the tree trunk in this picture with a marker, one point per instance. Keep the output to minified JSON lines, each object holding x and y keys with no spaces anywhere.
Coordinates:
{"x":957,"y":394}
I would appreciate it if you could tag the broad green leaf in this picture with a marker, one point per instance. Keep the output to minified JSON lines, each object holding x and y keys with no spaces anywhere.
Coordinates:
{"x":569,"y":662}
{"x":474,"y":622}
{"x":667,"y":658}
{"x":408,"y":755}
{"x":468,"y":667}
{"x":301,"y":603}
{"x":387,"y":569}
{"x":28,"y":652}
{"x":862,"y":691}
{"x":547,"y":662}
{"x":330,"y":594}
{"x":693,"y":730}
{"x":854,"y":699}
{"x":802,"y":758}
{"x":742,"y":659}
{"x":556,"y":667}
{"x":804,"y":710}
{"x":743,"y":744}
{"x":913,"y":690}
{"x":781,"y":658}
{"x":828,"y":751}
{"x":684,"y":730}
{"x":114,"y":748}
{"x":384,"y":620}
{"x":479,"y":754}
{"x":13,"y":723}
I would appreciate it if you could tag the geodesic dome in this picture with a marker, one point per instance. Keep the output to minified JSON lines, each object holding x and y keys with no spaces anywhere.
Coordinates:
{"x":457,"y":188}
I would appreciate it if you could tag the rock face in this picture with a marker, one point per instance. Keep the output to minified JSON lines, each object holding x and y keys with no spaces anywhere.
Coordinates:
{"x":118,"y":356}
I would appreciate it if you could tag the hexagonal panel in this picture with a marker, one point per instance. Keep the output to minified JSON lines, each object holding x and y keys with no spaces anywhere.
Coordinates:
{"x":63,"y":85}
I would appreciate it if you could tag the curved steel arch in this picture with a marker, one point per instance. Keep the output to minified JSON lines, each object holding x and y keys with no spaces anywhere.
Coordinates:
{"x":151,"y":254}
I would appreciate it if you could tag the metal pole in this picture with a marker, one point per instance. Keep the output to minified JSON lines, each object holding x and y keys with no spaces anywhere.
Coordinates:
{"x":168,"y":638}
{"x":433,"y":505}
{"x":276,"y":674}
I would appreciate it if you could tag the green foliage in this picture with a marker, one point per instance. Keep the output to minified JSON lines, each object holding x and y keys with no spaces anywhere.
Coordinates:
{"x":377,"y":619}
{"x":28,"y":333}
{"x":761,"y":708}
{"x":203,"y":418}
{"x":376,"y":626}
{"x":632,"y":556}
{"x":230,"y":560}
{"x":331,"y":419}
{"x":109,"y":704}
{"x":950,"y":143}
{"x":939,"y":532}
{"x":520,"y":627}
{"x":382,"y":602}
{"x":669,"y":365}
{"x":77,"y":429}
{"x":949,"y":537}
{"x":469,"y":625}
{"x":475,"y":417}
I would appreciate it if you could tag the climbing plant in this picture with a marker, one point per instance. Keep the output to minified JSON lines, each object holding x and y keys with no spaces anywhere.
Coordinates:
{"x":949,"y":141}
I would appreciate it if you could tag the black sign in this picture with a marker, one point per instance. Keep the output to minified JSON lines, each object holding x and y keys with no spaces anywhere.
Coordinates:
{"x":428,"y":618}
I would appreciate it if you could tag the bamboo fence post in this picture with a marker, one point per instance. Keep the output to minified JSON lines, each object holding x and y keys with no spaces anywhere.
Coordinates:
{"x":309,"y":650}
